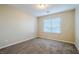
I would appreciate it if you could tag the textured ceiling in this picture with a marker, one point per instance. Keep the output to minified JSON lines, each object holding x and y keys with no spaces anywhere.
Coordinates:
{"x":52,"y":8}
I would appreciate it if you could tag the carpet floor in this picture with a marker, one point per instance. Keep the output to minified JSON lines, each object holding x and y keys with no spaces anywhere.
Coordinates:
{"x":40,"y":46}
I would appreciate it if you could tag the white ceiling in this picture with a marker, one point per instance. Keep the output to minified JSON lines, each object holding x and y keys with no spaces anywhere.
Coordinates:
{"x":52,"y":8}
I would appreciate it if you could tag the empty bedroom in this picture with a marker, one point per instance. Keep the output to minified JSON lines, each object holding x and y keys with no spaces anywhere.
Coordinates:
{"x":39,"y":29}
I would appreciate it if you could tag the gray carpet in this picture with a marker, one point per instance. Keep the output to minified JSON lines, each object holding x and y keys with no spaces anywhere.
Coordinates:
{"x":40,"y":46}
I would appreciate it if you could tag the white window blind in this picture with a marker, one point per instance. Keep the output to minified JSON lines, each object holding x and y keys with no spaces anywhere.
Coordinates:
{"x":52,"y":25}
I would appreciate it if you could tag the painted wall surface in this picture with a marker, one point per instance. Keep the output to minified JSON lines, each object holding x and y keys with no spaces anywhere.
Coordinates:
{"x":67,"y":27}
{"x":77,"y":27}
{"x":15,"y":26}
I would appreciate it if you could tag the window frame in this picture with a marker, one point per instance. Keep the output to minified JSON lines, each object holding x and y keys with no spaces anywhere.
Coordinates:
{"x":51,"y":30}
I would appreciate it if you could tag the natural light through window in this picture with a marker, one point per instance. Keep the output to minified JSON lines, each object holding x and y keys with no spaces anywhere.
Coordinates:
{"x":52,"y":25}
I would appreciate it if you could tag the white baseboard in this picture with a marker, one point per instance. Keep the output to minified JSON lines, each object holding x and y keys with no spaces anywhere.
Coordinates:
{"x":76,"y":45}
{"x":60,"y":40}
{"x":16,"y":42}
{"x":64,"y":41}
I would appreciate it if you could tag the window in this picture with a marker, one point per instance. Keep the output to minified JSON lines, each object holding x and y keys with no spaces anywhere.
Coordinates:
{"x":52,"y":25}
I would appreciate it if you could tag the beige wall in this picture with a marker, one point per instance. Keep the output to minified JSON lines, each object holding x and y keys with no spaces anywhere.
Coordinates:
{"x":67,"y":27}
{"x":15,"y":26}
{"x":77,"y":27}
